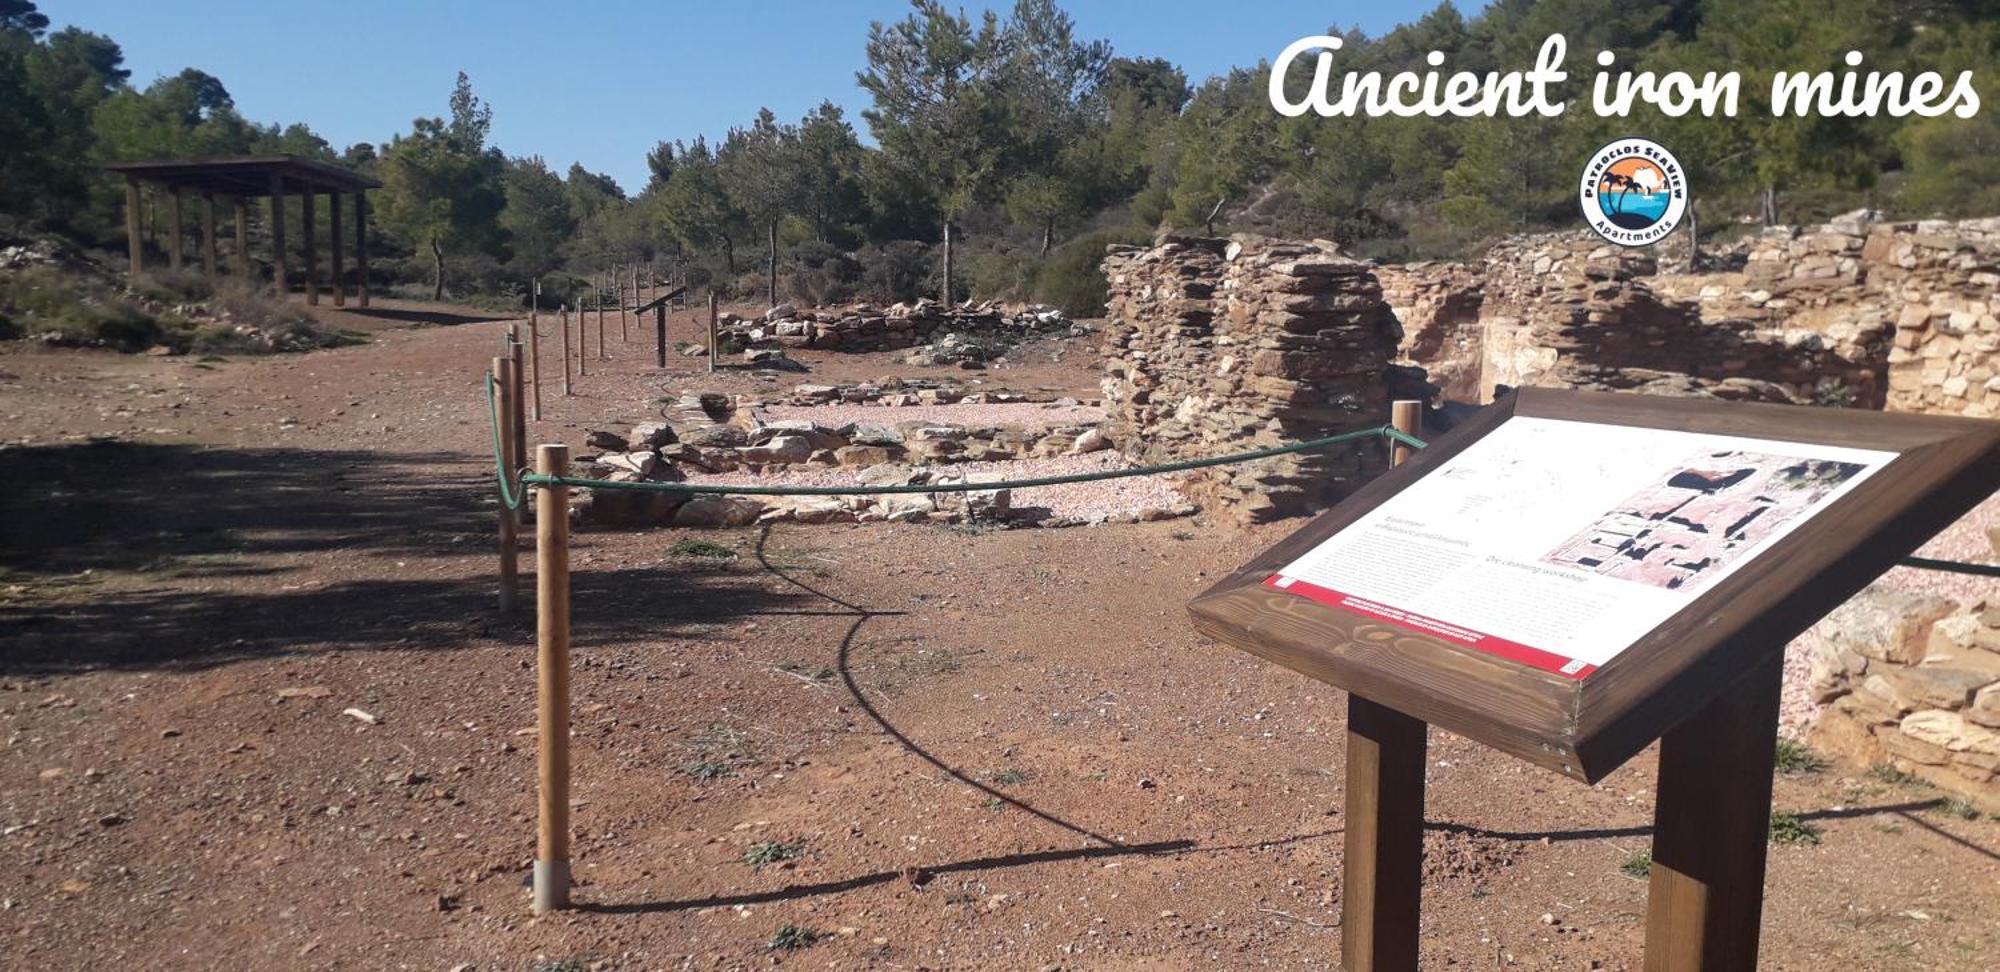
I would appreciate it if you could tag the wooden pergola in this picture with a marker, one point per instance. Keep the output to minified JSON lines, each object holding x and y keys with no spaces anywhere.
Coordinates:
{"x":243,"y":178}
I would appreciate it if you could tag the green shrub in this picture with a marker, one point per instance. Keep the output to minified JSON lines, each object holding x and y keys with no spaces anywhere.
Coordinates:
{"x":76,"y":310}
{"x":1790,"y":828}
{"x":792,"y":937}
{"x":1639,"y":865}
{"x":1795,"y":758}
{"x":818,"y":274}
{"x":771,"y":852}
{"x":183,"y":286}
{"x":1072,"y":277}
{"x":899,"y":270}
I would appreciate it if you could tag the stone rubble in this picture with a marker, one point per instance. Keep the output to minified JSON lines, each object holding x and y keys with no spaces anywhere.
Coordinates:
{"x":969,"y":332}
{"x":1913,"y":679}
{"x":709,"y":435}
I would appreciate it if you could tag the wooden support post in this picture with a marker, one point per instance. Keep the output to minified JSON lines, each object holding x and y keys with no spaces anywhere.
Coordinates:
{"x":333,"y":235}
{"x":618,"y":294}
{"x":278,"y":234}
{"x":582,"y":337}
{"x":637,"y":298}
{"x":1382,"y":873}
{"x":174,"y":224}
{"x":712,"y":349}
{"x":361,"y":246}
{"x":551,"y":878}
{"x":565,"y":329}
{"x":510,"y":549}
{"x":135,"y":242}
{"x":601,"y":353}
{"x":1711,"y":829}
{"x":243,"y":262}
{"x":535,"y":345}
{"x":1407,"y":416}
{"x":308,"y":219}
{"x":660,"y":335}
{"x":208,"y":236}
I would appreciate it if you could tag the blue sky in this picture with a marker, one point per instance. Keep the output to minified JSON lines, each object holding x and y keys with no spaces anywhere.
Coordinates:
{"x":600,"y":81}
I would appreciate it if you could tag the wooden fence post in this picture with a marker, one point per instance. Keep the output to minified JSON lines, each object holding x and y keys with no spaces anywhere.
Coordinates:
{"x":618,"y":294}
{"x":565,"y":329}
{"x":1382,"y":870}
{"x":601,"y":353}
{"x":510,"y":550}
{"x":551,"y":878}
{"x":660,"y":334}
{"x":583,"y":335}
{"x":535,"y":349}
{"x":712,"y":349}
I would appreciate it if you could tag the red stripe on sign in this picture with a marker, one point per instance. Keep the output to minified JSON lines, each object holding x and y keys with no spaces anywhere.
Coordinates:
{"x":1533,"y":657}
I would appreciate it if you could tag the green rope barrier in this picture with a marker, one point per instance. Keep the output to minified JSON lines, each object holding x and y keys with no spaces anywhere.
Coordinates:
{"x":513,"y":491}
{"x":1952,"y":566}
{"x":719,"y":489}
{"x":511,"y":494}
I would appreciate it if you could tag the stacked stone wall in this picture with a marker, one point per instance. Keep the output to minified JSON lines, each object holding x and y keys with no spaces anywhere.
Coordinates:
{"x":1215,"y":346}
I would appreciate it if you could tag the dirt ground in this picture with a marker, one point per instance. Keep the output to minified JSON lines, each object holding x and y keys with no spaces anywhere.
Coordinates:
{"x":953,"y":749}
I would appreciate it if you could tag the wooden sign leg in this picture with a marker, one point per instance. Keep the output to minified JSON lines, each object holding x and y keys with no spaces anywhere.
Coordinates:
{"x":1382,"y":874}
{"x":1711,"y":829}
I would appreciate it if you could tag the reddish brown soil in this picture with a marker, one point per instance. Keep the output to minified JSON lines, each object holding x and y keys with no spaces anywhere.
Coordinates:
{"x":995,"y":750}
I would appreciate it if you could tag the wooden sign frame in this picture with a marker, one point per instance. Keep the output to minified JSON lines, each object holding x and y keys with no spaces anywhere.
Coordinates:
{"x":1587,"y":728}
{"x":1705,"y":682}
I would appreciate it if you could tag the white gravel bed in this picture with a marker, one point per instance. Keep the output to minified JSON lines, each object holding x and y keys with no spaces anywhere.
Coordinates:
{"x":1964,"y":541}
{"x":1081,"y":501}
{"x":1029,"y":414}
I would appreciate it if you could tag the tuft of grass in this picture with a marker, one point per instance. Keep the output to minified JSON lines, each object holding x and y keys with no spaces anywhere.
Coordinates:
{"x":1639,"y":865}
{"x":1888,"y":773}
{"x":994,"y":804}
{"x":701,"y":548}
{"x":1009,"y":777}
{"x":771,"y":852}
{"x":561,"y":965}
{"x":1958,"y":807}
{"x":792,"y":937}
{"x":708,"y":772}
{"x":1796,"y":758}
{"x":1790,"y":828}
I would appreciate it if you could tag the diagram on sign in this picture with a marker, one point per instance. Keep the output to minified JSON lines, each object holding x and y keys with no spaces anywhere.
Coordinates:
{"x":1560,"y":544}
{"x":1703,"y":514}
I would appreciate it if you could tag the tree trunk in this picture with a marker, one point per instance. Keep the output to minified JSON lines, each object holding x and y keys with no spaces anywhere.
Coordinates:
{"x":1770,"y":205}
{"x":947,"y":263}
{"x":729,"y":255}
{"x":1694,"y":240}
{"x":437,"y":263}
{"x":1048,"y":237}
{"x":774,"y":263}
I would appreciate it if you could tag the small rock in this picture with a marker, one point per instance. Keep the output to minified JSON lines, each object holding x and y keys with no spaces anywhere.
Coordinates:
{"x":366,"y":717}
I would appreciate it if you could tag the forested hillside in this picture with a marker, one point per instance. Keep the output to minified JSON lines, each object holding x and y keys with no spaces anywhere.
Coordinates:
{"x":1029,"y":147}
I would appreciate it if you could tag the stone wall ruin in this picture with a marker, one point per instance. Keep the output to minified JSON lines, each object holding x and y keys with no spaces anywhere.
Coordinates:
{"x":1216,"y":346}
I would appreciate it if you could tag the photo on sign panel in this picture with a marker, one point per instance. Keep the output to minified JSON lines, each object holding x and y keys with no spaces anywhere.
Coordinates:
{"x":1701,"y":515}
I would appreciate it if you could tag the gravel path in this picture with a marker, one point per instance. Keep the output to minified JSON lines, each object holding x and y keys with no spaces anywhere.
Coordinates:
{"x":1083,"y":501}
{"x":1029,"y":414}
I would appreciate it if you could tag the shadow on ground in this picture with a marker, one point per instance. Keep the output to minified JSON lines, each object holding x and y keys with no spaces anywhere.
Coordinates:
{"x":131,"y":555}
{"x":434,"y":318}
